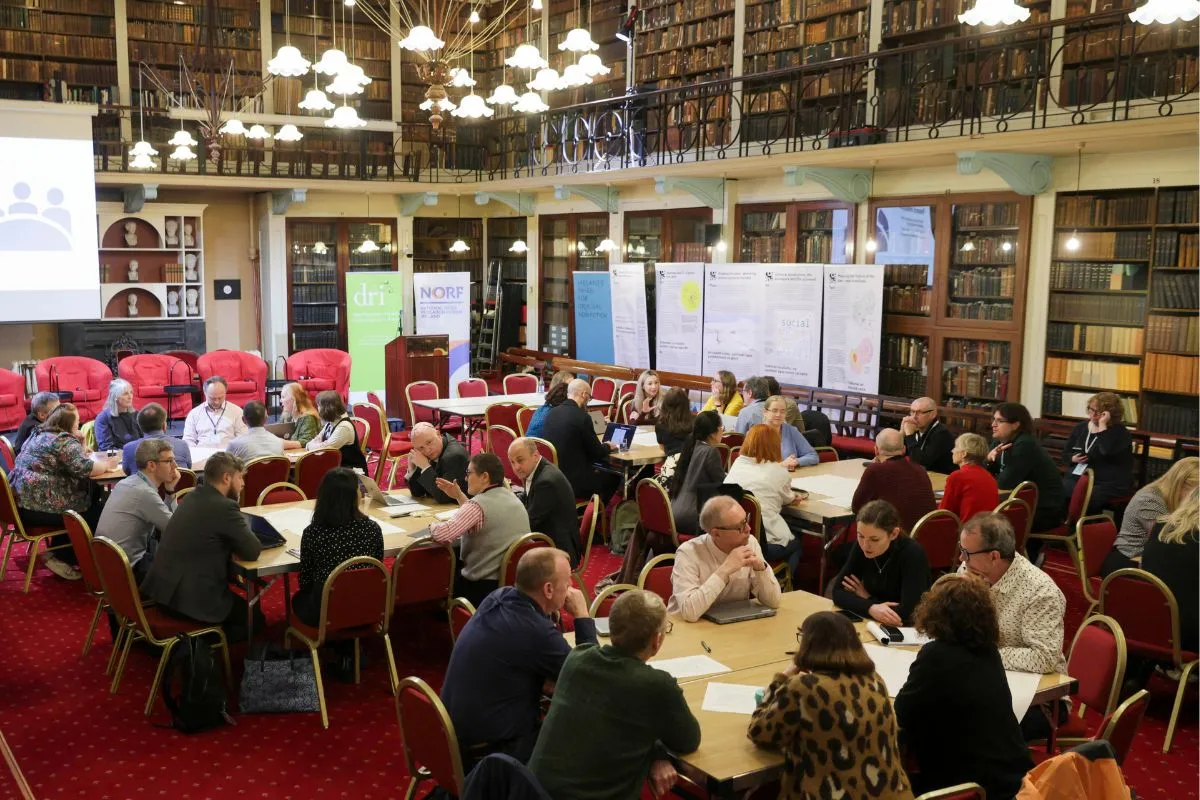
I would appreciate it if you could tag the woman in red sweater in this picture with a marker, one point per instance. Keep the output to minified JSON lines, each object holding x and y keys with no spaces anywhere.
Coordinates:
{"x":970,"y":489}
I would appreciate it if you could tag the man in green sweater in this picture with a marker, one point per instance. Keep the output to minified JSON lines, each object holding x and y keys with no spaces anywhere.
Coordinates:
{"x":613,"y":716}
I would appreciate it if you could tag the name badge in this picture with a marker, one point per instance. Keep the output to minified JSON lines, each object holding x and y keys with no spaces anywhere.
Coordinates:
{"x":1080,"y":468}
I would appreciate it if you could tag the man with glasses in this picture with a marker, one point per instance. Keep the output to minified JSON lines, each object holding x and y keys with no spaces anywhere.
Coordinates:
{"x":927,"y":441}
{"x":135,"y":509}
{"x":569,"y":428}
{"x":724,"y":565}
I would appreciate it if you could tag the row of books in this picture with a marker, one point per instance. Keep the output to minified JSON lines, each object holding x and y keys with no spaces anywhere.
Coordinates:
{"x":1095,"y":338}
{"x":773,"y":39}
{"x":1172,"y":373}
{"x":684,"y":62}
{"x":96,"y":7}
{"x":985,"y":249}
{"x":671,"y":12}
{"x":983,"y":282}
{"x":1162,"y":75}
{"x":907,"y":299}
{"x":33,"y":19}
{"x":1180,"y":420}
{"x":245,"y":17}
{"x":315,"y":315}
{"x":1180,"y":334}
{"x":92,"y":47}
{"x":977,"y":351}
{"x":690,"y":251}
{"x":986,"y":215}
{"x":907,"y":16}
{"x":980,"y":309}
{"x":167,"y":54}
{"x":977,"y":382}
{"x":907,"y":352}
{"x":327,"y":293}
{"x":816,"y":248}
{"x":906,"y":274}
{"x":823,"y":219}
{"x":1172,"y":249}
{"x":1094,"y":45}
{"x":1110,"y":375}
{"x":762,"y":249}
{"x":837,"y":27}
{"x":23,"y":69}
{"x":1178,"y":206}
{"x":1008,"y":64}
{"x":902,"y":382}
{"x":1104,"y":244}
{"x":1105,"y":309}
{"x":310,"y":340}
{"x":1174,"y":290}
{"x":819,"y":7}
{"x":183,"y":33}
{"x":1068,"y":403}
{"x":694,"y":33}
{"x":1120,"y":277}
{"x":1098,"y":211}
{"x":762,"y":16}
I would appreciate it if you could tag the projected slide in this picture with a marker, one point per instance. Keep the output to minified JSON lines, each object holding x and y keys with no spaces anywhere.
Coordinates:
{"x":48,"y":263}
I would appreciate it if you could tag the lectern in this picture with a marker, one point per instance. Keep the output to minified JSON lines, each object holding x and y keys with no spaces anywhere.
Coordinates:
{"x":414,"y":358}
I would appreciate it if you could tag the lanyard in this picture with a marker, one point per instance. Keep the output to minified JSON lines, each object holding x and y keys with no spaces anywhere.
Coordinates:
{"x":142,"y":475}
{"x":220,"y":416}
{"x":1089,"y":440}
{"x":924,"y":437}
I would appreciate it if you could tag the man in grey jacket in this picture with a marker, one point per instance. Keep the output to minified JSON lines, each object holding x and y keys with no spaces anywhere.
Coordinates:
{"x":135,"y":509}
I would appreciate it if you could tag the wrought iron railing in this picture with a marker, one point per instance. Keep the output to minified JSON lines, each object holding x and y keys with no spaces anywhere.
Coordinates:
{"x":1054,"y":73}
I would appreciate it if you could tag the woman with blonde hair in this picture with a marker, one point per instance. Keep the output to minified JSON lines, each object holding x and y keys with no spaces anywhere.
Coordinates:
{"x":759,"y":470}
{"x":1173,"y":554}
{"x":970,"y":489}
{"x":1151,"y":503}
{"x":794,"y":448}
{"x":298,"y":408}
{"x":647,"y":399}
{"x":1102,"y":444}
{"x":725,"y":398}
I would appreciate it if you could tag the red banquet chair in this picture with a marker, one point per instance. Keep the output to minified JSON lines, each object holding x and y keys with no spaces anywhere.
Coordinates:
{"x":427,"y":739}
{"x":245,"y":374}
{"x":311,"y":469}
{"x":654,"y":510}
{"x":498,"y":438}
{"x":460,"y":613}
{"x":428,"y":390}
{"x":503,"y":413}
{"x":10,"y":524}
{"x":80,"y":534}
{"x":1020,"y":516}
{"x":520,"y":383}
{"x":423,"y":572}
{"x":1096,"y":660}
{"x":282,"y":492}
{"x":320,"y":369}
{"x":150,"y":374}
{"x":473,"y":387}
{"x":86,"y":379}
{"x":1096,"y":536}
{"x":1064,"y":534}
{"x":508,"y":566}
{"x":263,"y":472}
{"x":655,"y":577}
{"x":524,"y":417}
{"x":750,"y":505}
{"x":603,"y":389}
{"x":937,"y":532}
{"x":12,"y":399}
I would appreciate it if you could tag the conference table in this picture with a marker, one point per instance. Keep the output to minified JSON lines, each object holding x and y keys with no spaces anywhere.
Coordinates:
{"x":472,"y":409}
{"x":200,"y":456}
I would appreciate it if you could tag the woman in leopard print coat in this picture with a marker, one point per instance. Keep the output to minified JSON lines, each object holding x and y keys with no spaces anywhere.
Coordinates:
{"x":830,"y":715}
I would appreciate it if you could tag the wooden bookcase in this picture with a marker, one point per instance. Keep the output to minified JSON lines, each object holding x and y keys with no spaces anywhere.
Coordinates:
{"x":432,"y":237}
{"x":602,"y":18}
{"x":514,"y":267}
{"x":567,"y":244}
{"x":819,"y":232}
{"x":675,"y":234}
{"x":1123,"y":306}
{"x":320,"y":253}
{"x":954,"y":296}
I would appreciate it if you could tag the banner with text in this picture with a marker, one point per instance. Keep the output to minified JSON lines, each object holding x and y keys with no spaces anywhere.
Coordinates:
{"x":853,"y":327}
{"x":593,"y":317}
{"x":374,"y":305}
{"x":732,"y":293}
{"x":443,"y":305}
{"x":680,"y":317}
{"x":631,"y":339}
{"x":790,"y":322}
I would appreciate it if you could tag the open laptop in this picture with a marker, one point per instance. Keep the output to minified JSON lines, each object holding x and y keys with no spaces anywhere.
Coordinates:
{"x":281,"y":429}
{"x":265,"y":531}
{"x":620,"y":435}
{"x":738,"y":611}
{"x":392,"y":506}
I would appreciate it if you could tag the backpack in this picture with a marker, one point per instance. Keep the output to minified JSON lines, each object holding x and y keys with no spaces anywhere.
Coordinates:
{"x":199,"y":705}
{"x":625,"y":520}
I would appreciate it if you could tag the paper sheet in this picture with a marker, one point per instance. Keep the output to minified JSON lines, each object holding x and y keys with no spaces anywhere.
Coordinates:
{"x":911,"y":636}
{"x":730,"y":698}
{"x":201,"y":454}
{"x":645,"y":438}
{"x":689,"y":666}
{"x":1023,"y":686}
{"x":292,"y":520}
{"x":838,"y":491}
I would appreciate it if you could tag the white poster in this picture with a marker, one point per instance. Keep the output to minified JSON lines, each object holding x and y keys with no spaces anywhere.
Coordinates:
{"x":732,"y":297}
{"x":443,"y":305}
{"x":853,"y":327}
{"x":631,"y":339}
{"x":790,"y":322}
{"x":680,"y":316}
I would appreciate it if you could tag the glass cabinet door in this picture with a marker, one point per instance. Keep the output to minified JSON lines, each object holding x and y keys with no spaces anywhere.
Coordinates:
{"x":314,"y":285}
{"x":556,"y":248}
{"x":983,"y":258}
{"x":975,"y":372}
{"x":763,"y":233}
{"x":905,"y":245}
{"x":905,"y":365}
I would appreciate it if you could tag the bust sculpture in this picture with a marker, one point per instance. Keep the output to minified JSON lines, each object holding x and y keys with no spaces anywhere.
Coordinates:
{"x":172,"y":303}
{"x":132,"y":273}
{"x":131,"y":234}
{"x":193,"y":302}
{"x":172,"y":233}
{"x":133,"y":309}
{"x":189,"y":266}
{"x":189,"y":237}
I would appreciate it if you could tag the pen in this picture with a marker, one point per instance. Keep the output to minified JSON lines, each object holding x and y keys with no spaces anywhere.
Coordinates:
{"x":704,"y":644}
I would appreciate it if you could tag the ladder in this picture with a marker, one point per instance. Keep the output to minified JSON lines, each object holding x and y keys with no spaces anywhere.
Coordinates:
{"x":488,"y":339}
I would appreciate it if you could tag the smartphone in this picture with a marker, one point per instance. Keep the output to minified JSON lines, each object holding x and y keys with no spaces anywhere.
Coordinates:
{"x":850,"y":615}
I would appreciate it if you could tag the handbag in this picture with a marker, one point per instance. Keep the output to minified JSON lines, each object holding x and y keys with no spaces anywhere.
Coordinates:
{"x":278,"y":686}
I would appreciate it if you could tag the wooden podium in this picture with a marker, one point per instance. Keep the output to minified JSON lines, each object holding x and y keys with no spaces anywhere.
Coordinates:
{"x":414,"y":358}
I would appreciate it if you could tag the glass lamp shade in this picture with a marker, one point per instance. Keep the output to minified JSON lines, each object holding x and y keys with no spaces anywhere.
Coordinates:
{"x":141,"y":161}
{"x":320,"y":248}
{"x":460,"y":78}
{"x":518,"y":246}
{"x":344,"y":117}
{"x":526,"y":56}
{"x":142,"y":148}
{"x":579,"y":40}
{"x":994,"y":12}
{"x":258,"y":132}
{"x":1166,"y":12}
{"x":574,"y":75}
{"x":606,"y":246}
{"x":445,"y":104}
{"x":182,"y":139}
{"x":459,"y":246}
{"x":233,"y":127}
{"x":368,"y":246}
{"x":530,"y":103}
{"x":288,"y":63}
{"x":472,"y":107}
{"x":315,"y":100}
{"x":503,"y":95}
{"x":474,"y":18}
{"x":331,"y":62}
{"x":536,"y":5}
{"x":592,"y":65}
{"x":422,"y":38}
{"x":182,"y":153}
{"x":344,"y":84}
{"x":546,"y":79}
{"x":289,"y":133}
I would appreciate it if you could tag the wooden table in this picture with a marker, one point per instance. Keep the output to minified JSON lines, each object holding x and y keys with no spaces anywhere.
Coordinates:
{"x":200,"y":456}
{"x":631,"y":461}
{"x":473,"y":408}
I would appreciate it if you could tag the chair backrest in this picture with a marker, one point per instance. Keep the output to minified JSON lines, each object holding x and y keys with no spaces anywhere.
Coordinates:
{"x":9,"y":517}
{"x":460,"y":612}
{"x":374,"y":400}
{"x":524,"y":417}
{"x":357,"y":594}
{"x":731,"y":439}
{"x":427,"y":736}
{"x":472,"y":387}
{"x":504,"y":413}
{"x":655,"y":577}
{"x":1146,"y":610}
{"x":187,"y":479}
{"x":520,"y":383}
{"x":311,"y":468}
{"x":377,"y":428}
{"x":261,"y":473}
{"x":961,"y":791}
{"x":628,"y":388}
{"x":1020,"y":515}
{"x":545,"y":449}
{"x":116,"y":578}
{"x":88,"y":432}
{"x":1120,"y":729}
{"x":508,"y":566}
{"x":623,"y":407}
{"x":1097,"y":660}
{"x":1081,"y":495}
{"x":420,"y":390}
{"x":654,"y":509}
{"x":8,"y":459}
{"x":1095,"y":536}
{"x":724,"y":451}
{"x":754,"y":516}
{"x":81,"y":544}
{"x":423,"y":572}
{"x":937,"y":532}
{"x":608,"y":595}
{"x":180,"y":494}
{"x":603,"y":388}
{"x":587,"y":531}
{"x":362,"y":428}
{"x":826,"y":454}
{"x":734,"y":454}
{"x":282,"y":492}
{"x":498,"y":439}
{"x":187,"y":357}
{"x":1027,"y":491}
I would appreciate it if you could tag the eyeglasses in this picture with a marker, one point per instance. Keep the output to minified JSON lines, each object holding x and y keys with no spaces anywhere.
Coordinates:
{"x":743,"y":525}
{"x":925,"y":411}
{"x":963,"y":555}
{"x":1091,"y":410}
{"x":170,"y":460}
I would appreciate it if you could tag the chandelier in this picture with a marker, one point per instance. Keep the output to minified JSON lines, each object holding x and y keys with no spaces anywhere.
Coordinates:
{"x":1166,"y":11}
{"x":994,"y":12}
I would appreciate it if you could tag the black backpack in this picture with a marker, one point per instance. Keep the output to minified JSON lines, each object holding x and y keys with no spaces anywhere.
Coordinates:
{"x":199,"y":703}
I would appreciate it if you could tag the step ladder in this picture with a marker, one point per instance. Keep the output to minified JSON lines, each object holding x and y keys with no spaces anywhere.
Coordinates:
{"x":488,"y":339}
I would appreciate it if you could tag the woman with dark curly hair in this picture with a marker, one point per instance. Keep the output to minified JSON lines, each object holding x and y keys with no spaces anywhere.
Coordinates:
{"x":956,"y":709}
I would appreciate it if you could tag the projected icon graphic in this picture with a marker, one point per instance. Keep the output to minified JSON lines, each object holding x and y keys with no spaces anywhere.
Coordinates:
{"x":26,"y":227}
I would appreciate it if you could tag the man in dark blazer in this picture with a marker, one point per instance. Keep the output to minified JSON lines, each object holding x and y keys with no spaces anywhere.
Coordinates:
{"x":895,"y":478}
{"x":926,"y":440}
{"x":190,"y":573}
{"x":435,"y":455}
{"x":569,"y":428}
{"x":548,"y":497}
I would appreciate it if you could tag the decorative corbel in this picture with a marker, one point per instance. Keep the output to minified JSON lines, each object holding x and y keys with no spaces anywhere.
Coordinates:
{"x":519,"y":202}
{"x":1026,"y":174}
{"x":410,"y":202}
{"x":135,"y":197}
{"x":604,"y":197}
{"x":282,"y":199}
{"x":847,"y":185}
{"x":709,"y":191}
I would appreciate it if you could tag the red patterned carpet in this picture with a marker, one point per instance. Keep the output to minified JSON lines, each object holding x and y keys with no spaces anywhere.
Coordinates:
{"x":72,"y":739}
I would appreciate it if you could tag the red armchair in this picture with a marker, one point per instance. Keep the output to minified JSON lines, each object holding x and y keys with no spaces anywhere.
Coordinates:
{"x":320,"y":369}
{"x":85,"y":378}
{"x":245,"y":374}
{"x":12,"y":399}
{"x":150,"y":374}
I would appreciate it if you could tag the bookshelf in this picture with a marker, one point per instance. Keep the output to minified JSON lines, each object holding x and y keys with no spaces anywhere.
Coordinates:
{"x":605,"y":19}
{"x":514,"y":267}
{"x":675,"y":234}
{"x":567,"y":244}
{"x":320,"y":253}
{"x":819,"y":232}
{"x":432,"y":237}
{"x":955,"y":269}
{"x":1123,"y":306}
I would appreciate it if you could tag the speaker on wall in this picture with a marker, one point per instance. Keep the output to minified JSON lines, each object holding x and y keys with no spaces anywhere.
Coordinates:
{"x":227,"y":290}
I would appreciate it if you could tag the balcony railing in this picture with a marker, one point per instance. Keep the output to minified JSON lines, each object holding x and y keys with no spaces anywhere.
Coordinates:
{"x":1056,"y":73}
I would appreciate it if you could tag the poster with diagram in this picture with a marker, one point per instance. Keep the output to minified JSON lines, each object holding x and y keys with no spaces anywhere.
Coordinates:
{"x":853,"y":327}
{"x":679,"y":305}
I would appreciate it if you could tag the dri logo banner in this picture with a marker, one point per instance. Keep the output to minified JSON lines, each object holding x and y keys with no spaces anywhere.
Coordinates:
{"x":443,"y":305}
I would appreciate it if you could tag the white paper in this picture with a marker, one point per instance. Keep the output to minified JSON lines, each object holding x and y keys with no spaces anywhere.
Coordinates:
{"x":645,"y":438}
{"x":679,"y":310}
{"x":631,"y":337}
{"x":790,"y":321}
{"x":400,"y":511}
{"x":293,"y":520}
{"x":201,"y":454}
{"x":853,"y":327}
{"x":912,"y":638}
{"x":731,"y":324}
{"x":1023,"y":686}
{"x":838,"y":491}
{"x":730,"y":698}
{"x":689,"y":666}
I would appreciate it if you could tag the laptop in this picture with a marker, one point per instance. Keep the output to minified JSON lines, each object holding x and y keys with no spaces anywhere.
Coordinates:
{"x":602,"y":626}
{"x":265,"y":531}
{"x":392,"y":506}
{"x":738,"y":611}
{"x":281,"y":429}
{"x":620,"y":435}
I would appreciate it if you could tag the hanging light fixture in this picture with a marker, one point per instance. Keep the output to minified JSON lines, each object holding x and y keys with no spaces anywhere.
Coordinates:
{"x":459,"y":246}
{"x":606,"y":244}
{"x":573,"y":75}
{"x":460,"y":78}
{"x":1072,"y":243}
{"x":503,"y":95}
{"x":592,"y":65}
{"x":331,"y":63}
{"x":258,"y":132}
{"x":579,"y":40}
{"x":472,"y":106}
{"x":288,"y":133}
{"x":518,"y":246}
{"x":182,"y":152}
{"x":182,"y":139}
{"x":545,"y":80}
{"x":288,"y":61}
{"x":142,"y":150}
{"x":474,"y":18}
{"x":346,"y":83}
{"x":368,"y":244}
{"x":233,"y":127}
{"x":526,"y":56}
{"x":530,"y":103}
{"x":422,"y":39}
{"x":1166,"y":12}
{"x":345,"y":117}
{"x":994,"y":12}
{"x":969,"y":244}
{"x":536,"y":5}
{"x":444,"y":104}
{"x":1006,"y":247}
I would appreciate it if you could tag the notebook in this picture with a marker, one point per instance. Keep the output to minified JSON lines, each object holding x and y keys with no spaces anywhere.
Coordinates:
{"x":738,"y":611}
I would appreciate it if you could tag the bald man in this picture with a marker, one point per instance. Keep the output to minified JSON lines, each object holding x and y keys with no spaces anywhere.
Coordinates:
{"x":548,"y":497}
{"x":569,"y":428}
{"x":895,"y":478}
{"x":926,"y":440}
{"x":435,"y":455}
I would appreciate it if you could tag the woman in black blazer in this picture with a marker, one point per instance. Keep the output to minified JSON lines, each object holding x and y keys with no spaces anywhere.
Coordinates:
{"x":1103,"y":445}
{"x":955,"y":710}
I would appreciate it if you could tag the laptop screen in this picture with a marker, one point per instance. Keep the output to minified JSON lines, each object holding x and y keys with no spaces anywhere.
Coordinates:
{"x":620,"y":435}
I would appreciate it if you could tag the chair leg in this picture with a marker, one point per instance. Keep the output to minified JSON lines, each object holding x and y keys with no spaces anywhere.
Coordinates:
{"x":412,"y":788}
{"x":1183,"y":682}
{"x":33,"y":556}
{"x":158,"y":674}
{"x":116,"y":681}
{"x":223,"y":643}
{"x":8,"y":546}
{"x":91,"y":634}
{"x":320,"y":687}
{"x":118,"y":640}
{"x":357,"y":661}
{"x":393,"y":676}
